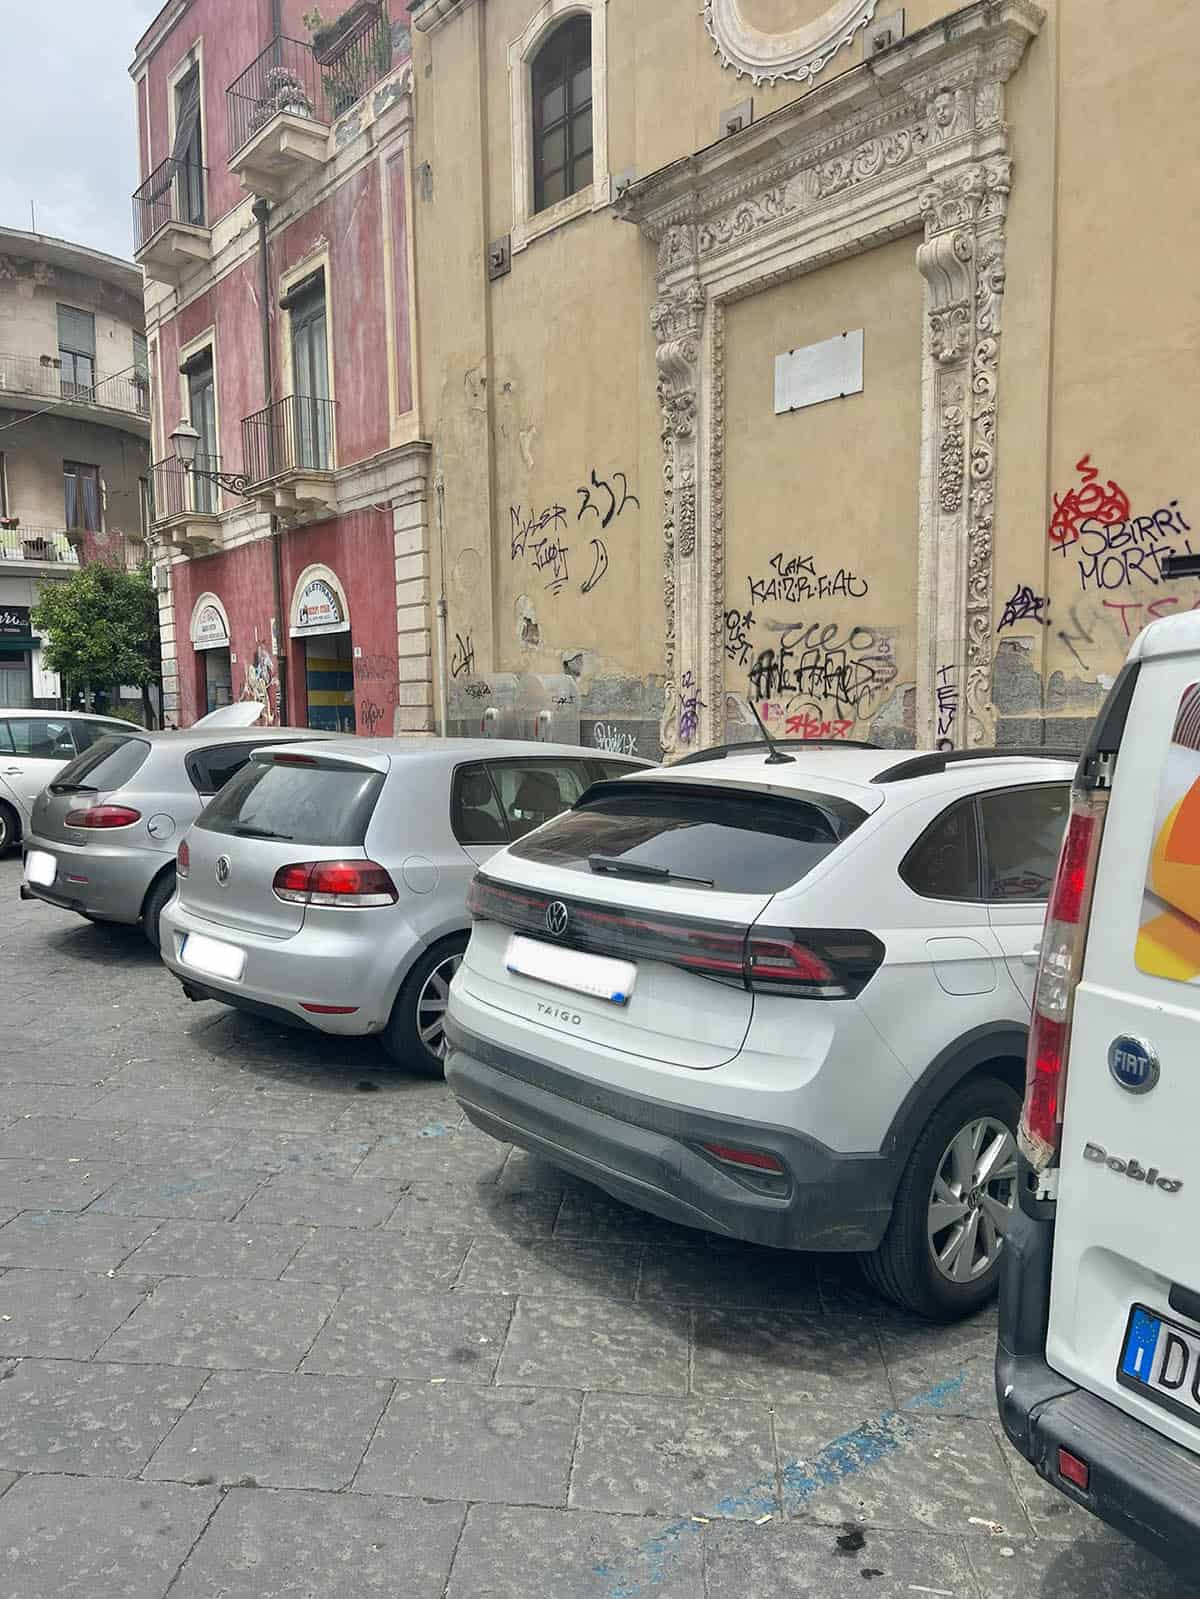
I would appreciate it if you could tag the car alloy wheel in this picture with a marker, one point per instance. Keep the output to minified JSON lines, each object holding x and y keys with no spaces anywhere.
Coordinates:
{"x":431,"y":1005}
{"x":971,"y":1204}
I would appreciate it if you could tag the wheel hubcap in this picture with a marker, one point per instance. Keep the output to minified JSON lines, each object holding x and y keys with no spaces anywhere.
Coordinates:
{"x":971,"y":1204}
{"x":431,"y":1006}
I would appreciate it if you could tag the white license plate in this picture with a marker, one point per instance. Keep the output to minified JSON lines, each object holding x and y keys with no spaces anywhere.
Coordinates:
{"x":40,"y":868}
{"x":211,"y":956}
{"x":597,"y":975}
{"x":1161,"y":1360}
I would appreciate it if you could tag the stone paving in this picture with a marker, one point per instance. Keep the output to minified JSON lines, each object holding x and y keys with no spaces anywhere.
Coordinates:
{"x":275,"y":1323}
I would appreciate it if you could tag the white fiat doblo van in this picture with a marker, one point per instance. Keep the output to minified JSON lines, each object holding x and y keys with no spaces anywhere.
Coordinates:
{"x":1098,"y":1365}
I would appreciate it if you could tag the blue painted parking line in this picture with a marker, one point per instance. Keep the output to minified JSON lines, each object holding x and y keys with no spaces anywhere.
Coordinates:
{"x":653,"y":1562}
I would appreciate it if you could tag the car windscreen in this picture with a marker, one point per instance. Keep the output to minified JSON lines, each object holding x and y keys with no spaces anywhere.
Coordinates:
{"x":737,"y":842}
{"x":328,"y":805}
{"x":106,"y":766}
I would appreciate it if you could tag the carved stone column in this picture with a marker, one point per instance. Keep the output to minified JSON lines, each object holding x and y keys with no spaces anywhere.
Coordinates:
{"x":677,"y":320}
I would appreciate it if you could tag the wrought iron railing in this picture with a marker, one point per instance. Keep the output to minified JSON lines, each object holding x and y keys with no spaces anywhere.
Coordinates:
{"x":292,"y":434}
{"x":174,"y":192}
{"x":319,"y":81}
{"x":42,"y":376}
{"x":176,"y":490}
{"x":37,"y":544}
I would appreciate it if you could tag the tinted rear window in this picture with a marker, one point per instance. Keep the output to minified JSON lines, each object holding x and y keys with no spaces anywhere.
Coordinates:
{"x":329,"y":805}
{"x":740,"y":843}
{"x":108,"y":765}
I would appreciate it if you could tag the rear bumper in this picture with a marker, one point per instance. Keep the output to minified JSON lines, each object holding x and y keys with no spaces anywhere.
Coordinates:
{"x":104,"y":880}
{"x":1141,"y":1483}
{"x":646,"y":1153}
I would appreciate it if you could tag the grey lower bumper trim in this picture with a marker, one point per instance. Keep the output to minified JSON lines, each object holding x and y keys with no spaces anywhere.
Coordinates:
{"x":646,"y":1153}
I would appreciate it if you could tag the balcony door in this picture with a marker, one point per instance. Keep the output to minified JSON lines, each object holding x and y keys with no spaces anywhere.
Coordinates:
{"x":202,"y":402}
{"x":310,"y":374}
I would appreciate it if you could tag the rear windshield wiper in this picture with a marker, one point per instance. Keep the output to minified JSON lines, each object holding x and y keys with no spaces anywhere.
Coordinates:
{"x":73,"y":788}
{"x":657,"y":874}
{"x":262,"y":832}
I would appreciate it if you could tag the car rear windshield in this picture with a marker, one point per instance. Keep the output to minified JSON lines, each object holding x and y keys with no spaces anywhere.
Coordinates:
{"x":106,"y":766}
{"x":301,"y":804}
{"x":737,"y":842}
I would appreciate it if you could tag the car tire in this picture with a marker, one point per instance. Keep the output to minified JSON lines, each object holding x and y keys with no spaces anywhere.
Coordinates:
{"x":156,"y":902}
{"x":10,"y":828}
{"x":413,"y":1036}
{"x":940,"y":1255}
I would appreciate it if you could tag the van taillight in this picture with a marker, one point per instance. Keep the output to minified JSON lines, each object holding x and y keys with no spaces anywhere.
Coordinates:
{"x":103,"y":816}
{"x":341,"y":883}
{"x":183,"y":859}
{"x":1064,"y":941}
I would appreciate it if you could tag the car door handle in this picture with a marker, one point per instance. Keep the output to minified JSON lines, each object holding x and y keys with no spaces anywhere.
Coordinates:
{"x":13,"y":771}
{"x":1031,"y":957}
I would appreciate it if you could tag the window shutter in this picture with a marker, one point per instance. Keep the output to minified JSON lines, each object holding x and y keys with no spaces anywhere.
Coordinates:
{"x":308,"y":288}
{"x":187,"y":118}
{"x":76,"y":330}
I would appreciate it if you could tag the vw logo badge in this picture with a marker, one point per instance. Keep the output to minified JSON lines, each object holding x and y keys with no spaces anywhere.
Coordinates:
{"x":223,"y":869}
{"x":1133,"y":1064}
{"x":557,"y":917}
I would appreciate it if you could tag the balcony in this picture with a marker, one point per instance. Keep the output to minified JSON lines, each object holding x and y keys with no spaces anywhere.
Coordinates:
{"x":38,"y":377}
{"x":185,"y":513}
{"x":169,"y":229}
{"x":288,"y":448}
{"x":38,"y":546}
{"x":280,"y":109}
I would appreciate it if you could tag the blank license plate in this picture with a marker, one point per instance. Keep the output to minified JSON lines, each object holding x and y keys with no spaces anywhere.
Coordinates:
{"x":597,"y":975}
{"x":212,"y":956}
{"x":1161,"y":1359}
{"x":40,"y":868}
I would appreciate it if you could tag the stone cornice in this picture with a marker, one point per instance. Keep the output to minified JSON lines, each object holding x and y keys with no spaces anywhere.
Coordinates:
{"x":426,"y":15}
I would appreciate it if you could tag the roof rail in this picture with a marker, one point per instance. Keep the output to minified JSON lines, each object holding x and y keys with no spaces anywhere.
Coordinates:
{"x":930,"y":765}
{"x":718,"y":752}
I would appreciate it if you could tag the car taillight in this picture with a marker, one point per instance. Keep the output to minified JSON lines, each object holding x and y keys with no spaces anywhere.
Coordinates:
{"x":341,"y":883}
{"x":103,"y":816}
{"x":833,"y":963}
{"x":183,"y":859}
{"x":1064,"y":941}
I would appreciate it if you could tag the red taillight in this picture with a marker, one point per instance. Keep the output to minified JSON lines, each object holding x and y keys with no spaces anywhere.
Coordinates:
{"x":183,"y":859}
{"x":293,"y":760}
{"x":329,"y":1010}
{"x":1074,"y":1470}
{"x":833,"y":963}
{"x":103,"y":816}
{"x":340,"y":883}
{"x":754,"y":1159}
{"x":1064,"y":940}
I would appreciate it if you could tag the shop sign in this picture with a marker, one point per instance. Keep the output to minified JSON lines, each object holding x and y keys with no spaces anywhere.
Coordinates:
{"x":319,"y":607}
{"x":14,"y":621}
{"x":209,"y":629}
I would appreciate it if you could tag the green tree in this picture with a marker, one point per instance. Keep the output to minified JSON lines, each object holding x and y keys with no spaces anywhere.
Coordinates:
{"x":100,"y":628}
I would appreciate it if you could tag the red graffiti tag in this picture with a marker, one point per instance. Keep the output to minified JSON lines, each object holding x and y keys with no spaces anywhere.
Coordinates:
{"x":807,"y":726}
{"x":1105,"y":502}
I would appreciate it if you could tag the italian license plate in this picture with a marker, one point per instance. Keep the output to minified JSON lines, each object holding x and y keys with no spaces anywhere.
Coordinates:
{"x":1161,"y":1360}
{"x":211,"y":956}
{"x":40,"y":868}
{"x":597,"y":975}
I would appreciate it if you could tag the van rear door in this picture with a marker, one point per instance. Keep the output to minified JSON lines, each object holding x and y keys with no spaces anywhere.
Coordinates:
{"x":1125,"y":1286}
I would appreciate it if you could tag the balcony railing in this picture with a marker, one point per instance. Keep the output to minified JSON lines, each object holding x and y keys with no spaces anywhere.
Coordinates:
{"x":179,"y":492}
{"x":37,"y":544}
{"x":41,"y":376}
{"x":174,"y":192}
{"x":317,"y":81}
{"x":294,"y":434}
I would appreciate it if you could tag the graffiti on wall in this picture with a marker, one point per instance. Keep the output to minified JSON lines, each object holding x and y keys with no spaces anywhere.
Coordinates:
{"x":795,"y":580}
{"x":1111,"y":555}
{"x":261,"y":682}
{"x":947,"y":705}
{"x":538,"y":537}
{"x":613,"y":740}
{"x":690,"y":706}
{"x":376,"y":680}
{"x":1092,"y":501}
{"x":847,"y":670}
{"x":1023,"y":606}
{"x":462,"y":659}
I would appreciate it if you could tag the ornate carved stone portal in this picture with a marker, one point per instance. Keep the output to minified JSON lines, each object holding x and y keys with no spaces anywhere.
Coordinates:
{"x":914,"y":143}
{"x":799,"y":54}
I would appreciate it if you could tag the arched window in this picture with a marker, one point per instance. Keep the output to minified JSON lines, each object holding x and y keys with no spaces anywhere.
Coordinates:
{"x":562,"y":113}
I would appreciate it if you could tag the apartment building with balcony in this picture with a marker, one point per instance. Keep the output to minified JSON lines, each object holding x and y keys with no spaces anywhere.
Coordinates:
{"x":74,"y":434}
{"x":272,"y":224}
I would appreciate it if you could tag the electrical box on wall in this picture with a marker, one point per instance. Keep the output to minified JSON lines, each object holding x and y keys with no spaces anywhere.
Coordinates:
{"x":499,"y":258}
{"x":736,"y":118}
{"x":884,"y":32}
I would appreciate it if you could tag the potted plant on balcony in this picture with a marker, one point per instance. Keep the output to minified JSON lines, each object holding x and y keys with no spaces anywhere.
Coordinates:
{"x":9,"y":523}
{"x":282,"y":92}
{"x":354,"y":50}
{"x":38,"y":549}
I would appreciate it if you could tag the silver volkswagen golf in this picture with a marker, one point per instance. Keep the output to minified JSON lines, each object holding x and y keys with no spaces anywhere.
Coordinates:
{"x":326,"y":885}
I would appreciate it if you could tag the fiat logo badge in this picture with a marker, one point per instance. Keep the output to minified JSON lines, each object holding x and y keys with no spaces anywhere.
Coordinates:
{"x":1133,"y":1064}
{"x":557,"y":918}
{"x":223,"y":869}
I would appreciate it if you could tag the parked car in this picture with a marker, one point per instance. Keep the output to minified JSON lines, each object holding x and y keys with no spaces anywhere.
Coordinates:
{"x":781,"y":996}
{"x":103,"y":834}
{"x":326,"y":887}
{"x":34,"y":746}
{"x":1098,"y":1363}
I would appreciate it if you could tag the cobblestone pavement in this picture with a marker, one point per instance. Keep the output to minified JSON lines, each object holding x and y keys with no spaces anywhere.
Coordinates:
{"x":275,"y":1322}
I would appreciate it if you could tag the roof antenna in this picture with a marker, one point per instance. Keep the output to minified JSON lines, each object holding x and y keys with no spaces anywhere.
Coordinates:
{"x":776,"y":757}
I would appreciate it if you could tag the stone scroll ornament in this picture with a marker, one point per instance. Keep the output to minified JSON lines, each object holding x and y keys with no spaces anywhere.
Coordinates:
{"x":797,"y":55}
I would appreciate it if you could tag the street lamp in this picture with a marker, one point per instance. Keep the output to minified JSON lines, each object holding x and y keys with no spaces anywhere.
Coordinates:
{"x":184,"y":441}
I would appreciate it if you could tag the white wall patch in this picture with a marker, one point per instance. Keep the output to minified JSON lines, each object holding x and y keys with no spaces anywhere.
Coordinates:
{"x":818,"y":372}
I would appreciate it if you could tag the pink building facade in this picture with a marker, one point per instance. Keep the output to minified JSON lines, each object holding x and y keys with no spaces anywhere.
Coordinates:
{"x":290,"y":469}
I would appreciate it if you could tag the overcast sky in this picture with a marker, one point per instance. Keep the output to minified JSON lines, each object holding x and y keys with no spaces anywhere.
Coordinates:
{"x":67,"y":131}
